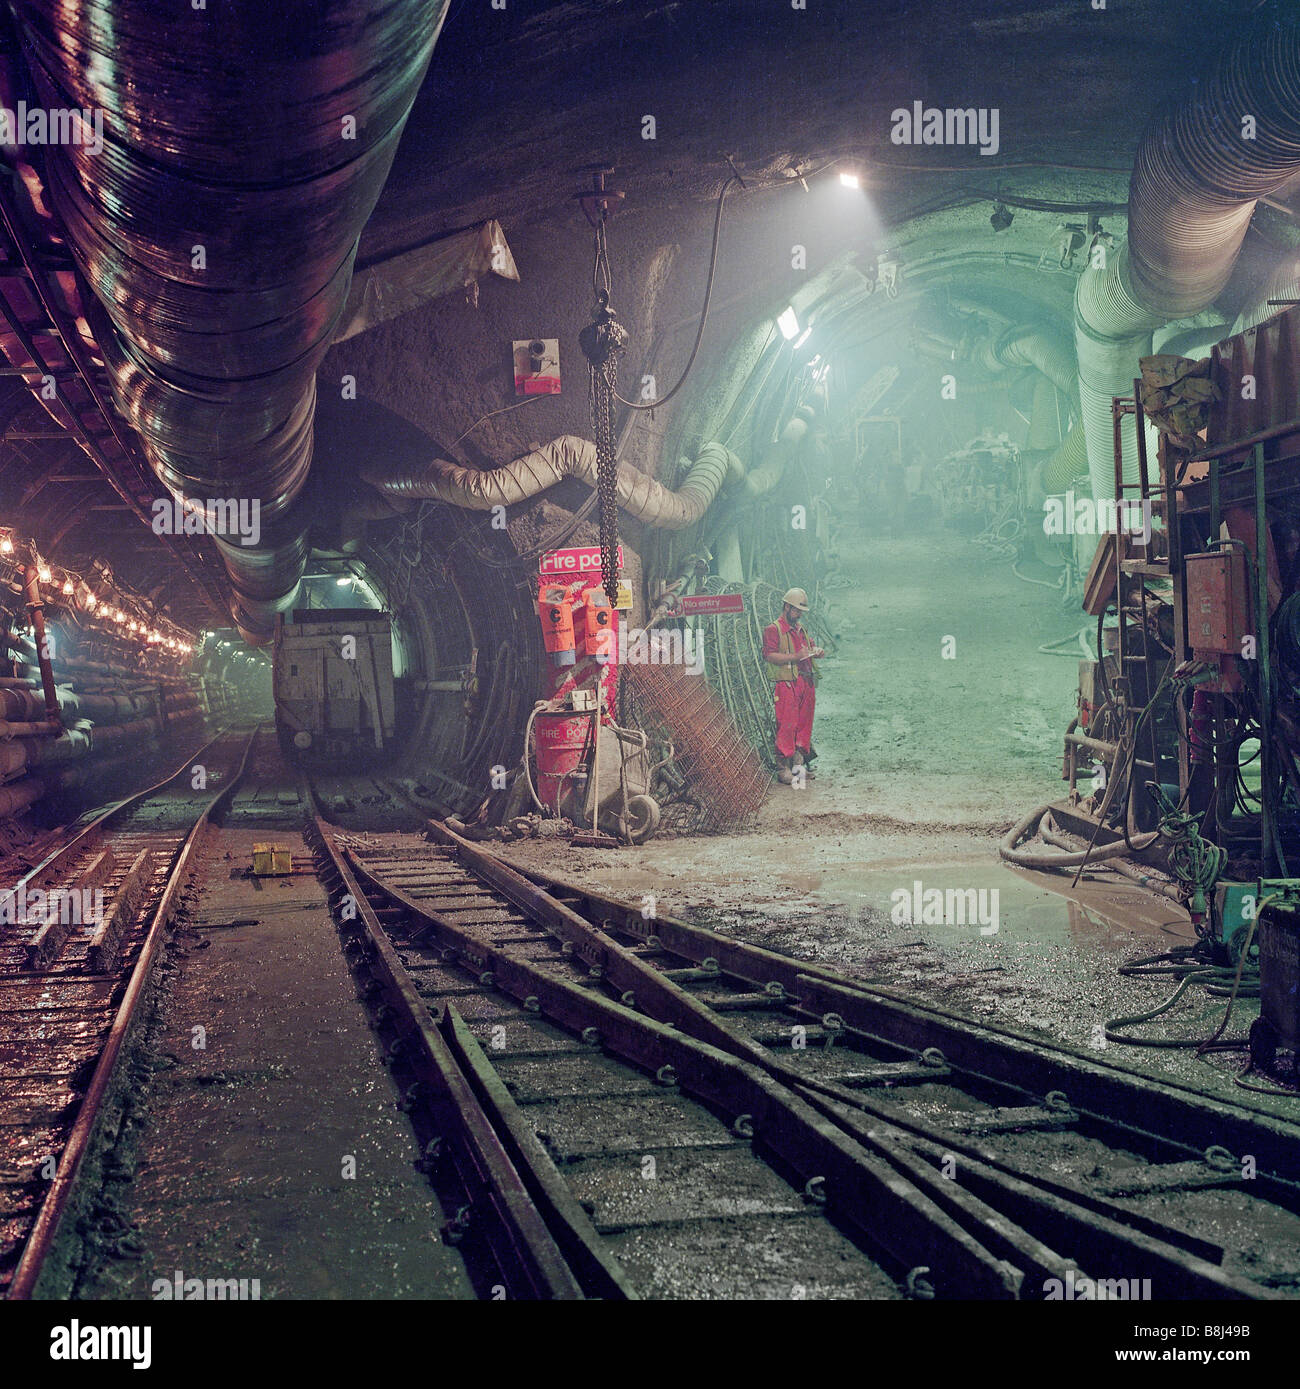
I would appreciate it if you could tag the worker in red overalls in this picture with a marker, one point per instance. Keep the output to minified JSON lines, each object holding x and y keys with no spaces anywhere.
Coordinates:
{"x":790,"y":659}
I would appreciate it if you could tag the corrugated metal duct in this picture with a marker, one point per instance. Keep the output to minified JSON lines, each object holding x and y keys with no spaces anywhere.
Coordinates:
{"x":244,"y":146}
{"x":1199,"y":170}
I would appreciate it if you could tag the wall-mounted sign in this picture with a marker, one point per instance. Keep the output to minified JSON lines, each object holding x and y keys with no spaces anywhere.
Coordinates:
{"x":695,"y":604}
{"x":537,"y":366}
{"x":574,"y":563}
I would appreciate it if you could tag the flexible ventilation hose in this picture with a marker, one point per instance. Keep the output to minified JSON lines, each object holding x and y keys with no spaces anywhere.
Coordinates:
{"x":1196,"y":177}
{"x":639,"y":494}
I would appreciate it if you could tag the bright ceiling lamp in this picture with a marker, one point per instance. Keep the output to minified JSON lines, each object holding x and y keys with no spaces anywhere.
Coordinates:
{"x":788,"y":323}
{"x":343,"y":580}
{"x":849,"y":179}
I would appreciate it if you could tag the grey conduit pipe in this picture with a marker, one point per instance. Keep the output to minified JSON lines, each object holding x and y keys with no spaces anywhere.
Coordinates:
{"x":1051,"y":834}
{"x":1068,"y":462}
{"x":639,"y":494}
{"x":1051,"y":354}
{"x":244,"y":146}
{"x":1197,"y":175}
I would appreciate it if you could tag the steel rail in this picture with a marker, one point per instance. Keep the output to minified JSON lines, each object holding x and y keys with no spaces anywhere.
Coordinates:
{"x":90,"y":832}
{"x":26,"y":1281}
{"x":864,"y":1193}
{"x":1148,"y":1108}
{"x":1087,"y":1222}
{"x":528,"y":1257}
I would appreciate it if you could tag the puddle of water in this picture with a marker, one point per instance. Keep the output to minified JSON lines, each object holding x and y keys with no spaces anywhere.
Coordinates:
{"x":969,"y":901}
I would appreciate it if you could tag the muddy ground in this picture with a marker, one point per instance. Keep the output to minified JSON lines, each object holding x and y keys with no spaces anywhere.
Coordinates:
{"x":925,"y":762}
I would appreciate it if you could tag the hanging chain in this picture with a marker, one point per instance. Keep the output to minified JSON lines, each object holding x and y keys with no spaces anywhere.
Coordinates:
{"x":603,"y":341}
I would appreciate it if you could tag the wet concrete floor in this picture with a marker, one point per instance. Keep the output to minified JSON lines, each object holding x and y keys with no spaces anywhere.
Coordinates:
{"x":273,"y":1149}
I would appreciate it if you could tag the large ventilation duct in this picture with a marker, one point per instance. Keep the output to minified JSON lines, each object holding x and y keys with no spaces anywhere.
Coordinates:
{"x":1199,"y":170}
{"x":1050,"y":353}
{"x":639,"y":494}
{"x":1042,"y":348}
{"x":1283,"y":283}
{"x":244,"y":148}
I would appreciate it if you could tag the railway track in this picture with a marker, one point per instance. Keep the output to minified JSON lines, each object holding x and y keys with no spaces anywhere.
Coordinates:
{"x":77,"y":949}
{"x":665,"y":1101}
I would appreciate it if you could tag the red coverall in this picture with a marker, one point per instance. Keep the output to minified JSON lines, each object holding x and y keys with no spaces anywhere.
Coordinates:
{"x":794,"y":698}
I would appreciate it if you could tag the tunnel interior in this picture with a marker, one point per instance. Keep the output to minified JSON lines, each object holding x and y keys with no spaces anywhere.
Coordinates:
{"x":783,"y":480}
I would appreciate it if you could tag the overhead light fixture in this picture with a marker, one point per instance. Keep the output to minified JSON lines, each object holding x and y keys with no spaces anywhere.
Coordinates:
{"x":343,"y":580}
{"x":91,"y":600}
{"x":67,"y":587}
{"x":803,"y":337}
{"x":848,"y":179}
{"x":1001,"y":217}
{"x":43,"y":573}
{"x":6,"y":545}
{"x":788,"y":323}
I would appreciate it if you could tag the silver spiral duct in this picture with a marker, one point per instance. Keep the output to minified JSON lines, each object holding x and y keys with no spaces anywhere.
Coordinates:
{"x":1198,"y":172}
{"x":639,"y":494}
{"x":244,"y":146}
{"x":1030,"y":345}
{"x":1282,"y":283}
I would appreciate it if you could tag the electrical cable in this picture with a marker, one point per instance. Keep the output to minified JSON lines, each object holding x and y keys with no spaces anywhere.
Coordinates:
{"x":704,"y":312}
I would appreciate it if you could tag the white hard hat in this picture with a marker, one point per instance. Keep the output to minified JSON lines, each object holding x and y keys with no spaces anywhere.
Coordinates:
{"x":796,"y":598}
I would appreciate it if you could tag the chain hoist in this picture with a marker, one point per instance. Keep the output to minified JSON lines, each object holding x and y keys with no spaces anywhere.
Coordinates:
{"x":603,"y":341}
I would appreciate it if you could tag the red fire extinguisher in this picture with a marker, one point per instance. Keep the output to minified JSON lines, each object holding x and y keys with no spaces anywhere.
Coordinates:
{"x":556,"y":613}
{"x":598,"y":634}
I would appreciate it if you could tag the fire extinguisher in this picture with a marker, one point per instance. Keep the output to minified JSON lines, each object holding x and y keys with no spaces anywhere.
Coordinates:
{"x":556,"y":613}
{"x":598,"y":633}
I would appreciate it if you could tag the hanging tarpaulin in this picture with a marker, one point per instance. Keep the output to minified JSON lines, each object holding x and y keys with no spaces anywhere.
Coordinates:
{"x":402,"y":283}
{"x":1177,"y":394}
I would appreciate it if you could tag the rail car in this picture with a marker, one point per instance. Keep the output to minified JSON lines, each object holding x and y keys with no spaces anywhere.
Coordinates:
{"x":334,"y":691}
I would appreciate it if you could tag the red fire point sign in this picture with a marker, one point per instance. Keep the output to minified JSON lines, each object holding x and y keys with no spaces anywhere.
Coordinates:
{"x":696,"y":603}
{"x":574,"y":563}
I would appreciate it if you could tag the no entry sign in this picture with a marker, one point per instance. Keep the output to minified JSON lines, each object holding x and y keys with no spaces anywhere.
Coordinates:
{"x":696,"y":603}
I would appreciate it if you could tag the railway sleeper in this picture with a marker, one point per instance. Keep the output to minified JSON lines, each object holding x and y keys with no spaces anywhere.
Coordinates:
{"x":1010,"y":1119}
{"x":862,"y":1195}
{"x":106,"y":943}
{"x":1150,"y":1179}
{"x":48,"y":942}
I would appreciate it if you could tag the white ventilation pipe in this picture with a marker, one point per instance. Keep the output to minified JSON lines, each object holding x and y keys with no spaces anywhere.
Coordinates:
{"x":639,"y":494}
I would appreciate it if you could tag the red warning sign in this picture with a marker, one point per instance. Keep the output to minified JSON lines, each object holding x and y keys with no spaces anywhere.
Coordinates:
{"x":695,"y":603}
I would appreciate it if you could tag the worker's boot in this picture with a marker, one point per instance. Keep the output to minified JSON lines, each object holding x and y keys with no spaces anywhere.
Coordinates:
{"x":784,"y":775}
{"x":808,"y":773}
